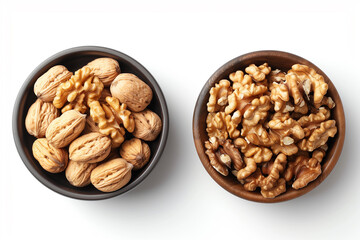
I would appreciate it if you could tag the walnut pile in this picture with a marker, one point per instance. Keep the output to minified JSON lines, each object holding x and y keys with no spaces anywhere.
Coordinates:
{"x":270,"y":128}
{"x":93,"y":124}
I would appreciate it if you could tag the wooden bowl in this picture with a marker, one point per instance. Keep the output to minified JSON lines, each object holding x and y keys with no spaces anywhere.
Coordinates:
{"x":282,"y":61}
{"x":74,"y":59}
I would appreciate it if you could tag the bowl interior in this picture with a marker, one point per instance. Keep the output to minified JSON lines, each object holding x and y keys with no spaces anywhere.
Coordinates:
{"x":277,"y":60}
{"x":74,"y":59}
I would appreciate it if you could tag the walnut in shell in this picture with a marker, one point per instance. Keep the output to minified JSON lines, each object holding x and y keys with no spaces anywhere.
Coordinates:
{"x":111,"y":175}
{"x":135,"y":152}
{"x":64,"y":129}
{"x":132,"y":91}
{"x":39,"y":117}
{"x":51,"y":159}
{"x":106,"y":69}
{"x":78,"y":173}
{"x":147,"y":125}
{"x":46,"y":85}
{"x":91,"y":148}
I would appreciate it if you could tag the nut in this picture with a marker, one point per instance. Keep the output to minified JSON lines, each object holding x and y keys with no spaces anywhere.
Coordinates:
{"x":90,"y":126}
{"x":132,"y":91}
{"x":279,"y":188}
{"x":46,"y":85}
{"x":111,"y":175}
{"x":135,"y":152}
{"x":39,"y":117}
{"x":64,"y":129}
{"x":219,"y":96}
{"x":78,"y":173}
{"x":79,"y":91}
{"x":257,"y":111}
{"x":318,"y":85}
{"x":90,"y":148}
{"x":122,"y":115}
{"x":268,"y":109}
{"x":319,"y":136}
{"x":106,"y":69}
{"x":148,"y":125}
{"x":258,"y":73}
{"x":51,"y":159}
{"x":215,"y":159}
{"x":105,"y":120}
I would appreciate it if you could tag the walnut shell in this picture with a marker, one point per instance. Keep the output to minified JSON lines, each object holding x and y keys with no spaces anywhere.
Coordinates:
{"x":45,"y":86}
{"x":135,"y":152}
{"x":51,"y":159}
{"x":106,"y":69}
{"x":111,"y":175}
{"x":129,"y":89}
{"x":90,"y":126}
{"x":78,"y":173}
{"x":64,"y":129}
{"x":39,"y":117}
{"x":91,"y":148}
{"x":147,"y":125}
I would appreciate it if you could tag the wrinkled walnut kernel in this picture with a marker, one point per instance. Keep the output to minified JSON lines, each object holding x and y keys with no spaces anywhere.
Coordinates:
{"x":280,"y":116}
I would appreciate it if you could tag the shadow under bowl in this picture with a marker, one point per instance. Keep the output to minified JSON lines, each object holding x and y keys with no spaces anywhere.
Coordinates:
{"x":277,"y":60}
{"x":74,"y":59}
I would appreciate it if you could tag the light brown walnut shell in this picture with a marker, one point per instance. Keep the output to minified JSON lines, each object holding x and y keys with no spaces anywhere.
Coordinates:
{"x":51,"y":159}
{"x":78,"y":173}
{"x":39,"y":117}
{"x":64,"y":129}
{"x":148,"y":125}
{"x":111,"y":175}
{"x":106,"y":69}
{"x":135,"y":152}
{"x":90,"y":148}
{"x":132,"y":91}
{"x":45,"y":86}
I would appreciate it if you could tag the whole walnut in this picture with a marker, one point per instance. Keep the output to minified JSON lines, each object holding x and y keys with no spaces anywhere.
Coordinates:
{"x":135,"y":152}
{"x":45,"y":86}
{"x":111,"y":175}
{"x":106,"y":69}
{"x":147,"y":125}
{"x":129,"y":89}
{"x":78,"y":173}
{"x":64,"y":129}
{"x":39,"y":117}
{"x":51,"y":159}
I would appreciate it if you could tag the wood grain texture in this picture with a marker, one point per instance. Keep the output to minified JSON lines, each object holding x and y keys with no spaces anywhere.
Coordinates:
{"x":282,"y":61}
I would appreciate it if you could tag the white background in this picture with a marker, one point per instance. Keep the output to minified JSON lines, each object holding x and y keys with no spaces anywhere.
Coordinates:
{"x":181,"y":44}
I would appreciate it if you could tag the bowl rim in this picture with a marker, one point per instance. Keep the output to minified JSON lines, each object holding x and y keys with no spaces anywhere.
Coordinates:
{"x":101,"y":195}
{"x":218,"y":178}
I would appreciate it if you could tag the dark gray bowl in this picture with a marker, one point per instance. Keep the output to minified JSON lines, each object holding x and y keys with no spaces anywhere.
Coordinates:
{"x":73,"y":59}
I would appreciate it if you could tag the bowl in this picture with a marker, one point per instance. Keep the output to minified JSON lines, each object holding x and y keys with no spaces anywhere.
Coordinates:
{"x":282,"y":61}
{"x":73,"y":59}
